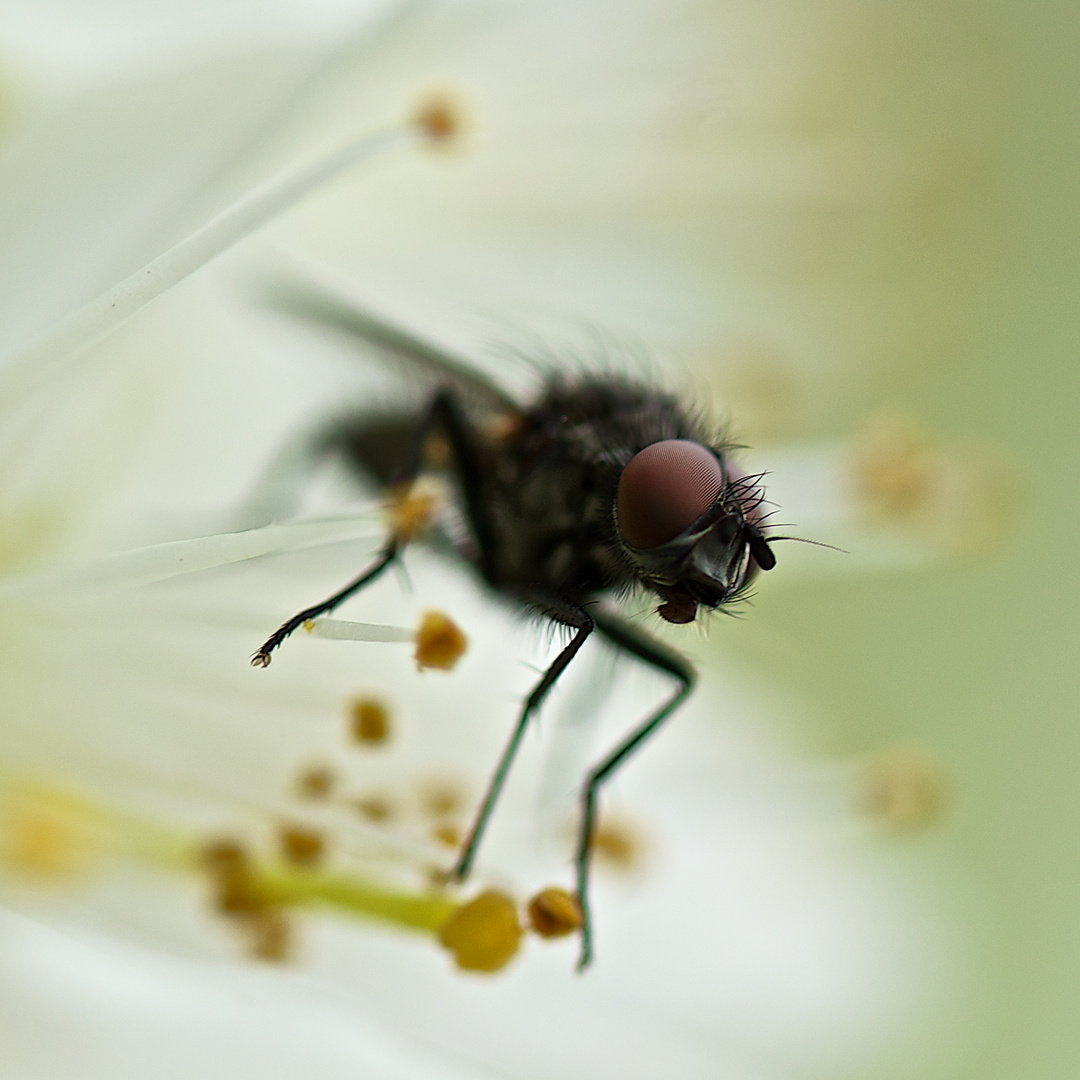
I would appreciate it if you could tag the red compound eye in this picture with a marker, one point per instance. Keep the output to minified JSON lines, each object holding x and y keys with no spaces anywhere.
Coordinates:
{"x":664,"y":490}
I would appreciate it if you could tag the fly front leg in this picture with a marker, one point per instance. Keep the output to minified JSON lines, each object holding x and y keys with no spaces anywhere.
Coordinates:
{"x":629,"y":639}
{"x":582,"y":623}
{"x":442,"y":416}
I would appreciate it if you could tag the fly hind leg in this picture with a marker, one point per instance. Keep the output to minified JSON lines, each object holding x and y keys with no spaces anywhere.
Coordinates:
{"x":633,"y":641}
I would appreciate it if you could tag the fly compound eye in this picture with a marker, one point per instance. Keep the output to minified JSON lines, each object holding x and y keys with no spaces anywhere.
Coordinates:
{"x":664,"y":489}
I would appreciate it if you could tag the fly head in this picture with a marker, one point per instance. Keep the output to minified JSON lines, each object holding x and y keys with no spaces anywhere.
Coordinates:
{"x":690,"y":526}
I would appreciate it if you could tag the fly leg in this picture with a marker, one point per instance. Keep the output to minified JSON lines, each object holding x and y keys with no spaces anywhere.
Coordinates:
{"x":582,"y":623}
{"x":628,"y":639}
{"x":385,"y":558}
{"x":443,"y":415}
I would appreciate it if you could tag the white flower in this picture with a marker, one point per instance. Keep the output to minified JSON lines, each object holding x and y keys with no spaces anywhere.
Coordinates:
{"x":763,"y":195}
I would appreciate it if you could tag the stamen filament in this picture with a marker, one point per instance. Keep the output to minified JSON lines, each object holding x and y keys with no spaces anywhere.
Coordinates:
{"x":415,"y":911}
{"x":53,"y":832}
{"x":440,"y":644}
{"x":90,"y":323}
{"x":343,"y":630}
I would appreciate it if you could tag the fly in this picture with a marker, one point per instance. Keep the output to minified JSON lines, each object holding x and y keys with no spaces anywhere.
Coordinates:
{"x":599,"y":487}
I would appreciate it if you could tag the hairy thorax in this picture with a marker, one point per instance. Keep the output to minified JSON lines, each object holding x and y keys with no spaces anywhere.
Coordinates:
{"x":551,"y":475}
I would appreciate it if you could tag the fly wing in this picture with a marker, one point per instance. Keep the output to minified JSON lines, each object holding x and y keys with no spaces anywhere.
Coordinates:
{"x":373,"y":442}
{"x":314,"y":301}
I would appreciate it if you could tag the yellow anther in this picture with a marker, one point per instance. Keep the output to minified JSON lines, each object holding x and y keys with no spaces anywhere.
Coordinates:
{"x":618,"y":843}
{"x":903,"y":789}
{"x":439,"y":642}
{"x":370,"y":721}
{"x":483,"y":934}
{"x":48,"y":832}
{"x":963,"y":498}
{"x":554,"y":913}
{"x":412,"y":509}
{"x":315,"y":782}
{"x":375,"y":808}
{"x":272,"y":936}
{"x":238,"y":895}
{"x":441,"y":798}
{"x":223,"y":857}
{"x":236,"y":890}
{"x":894,"y":467}
{"x":440,"y":117}
{"x":301,"y":845}
{"x":447,"y":834}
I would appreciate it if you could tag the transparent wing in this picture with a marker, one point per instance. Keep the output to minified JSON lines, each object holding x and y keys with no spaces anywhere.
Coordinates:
{"x":316,"y":301}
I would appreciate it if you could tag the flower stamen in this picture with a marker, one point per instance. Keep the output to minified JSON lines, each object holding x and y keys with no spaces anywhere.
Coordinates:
{"x":412,"y":509}
{"x":903,"y":789}
{"x":369,"y":721}
{"x":484,"y":934}
{"x":440,"y":118}
{"x":440,"y":642}
{"x":315,"y":782}
{"x":554,"y":913}
{"x":301,"y":845}
{"x":90,"y":323}
{"x":49,"y":833}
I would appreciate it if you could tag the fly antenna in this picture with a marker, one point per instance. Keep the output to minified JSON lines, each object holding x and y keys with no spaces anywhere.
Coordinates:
{"x":812,"y":543}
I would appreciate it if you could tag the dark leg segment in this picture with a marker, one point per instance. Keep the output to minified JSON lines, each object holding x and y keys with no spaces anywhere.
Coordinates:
{"x":445,"y":415}
{"x":442,"y":415}
{"x":631,"y":640}
{"x":386,"y":557}
{"x":582,"y":623}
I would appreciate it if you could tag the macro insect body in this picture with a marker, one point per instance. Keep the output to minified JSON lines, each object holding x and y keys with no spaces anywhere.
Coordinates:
{"x":600,"y":486}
